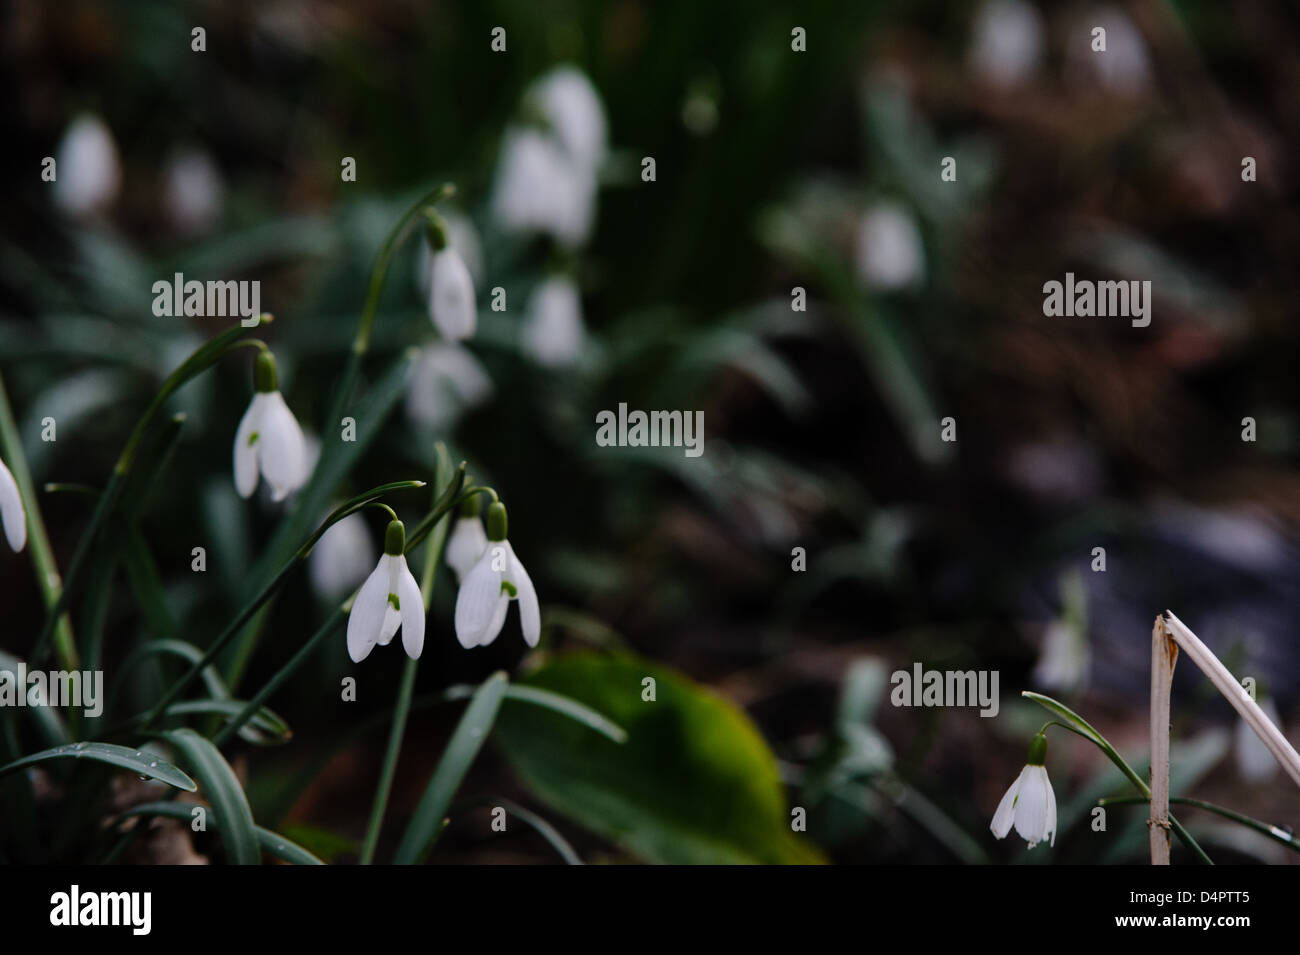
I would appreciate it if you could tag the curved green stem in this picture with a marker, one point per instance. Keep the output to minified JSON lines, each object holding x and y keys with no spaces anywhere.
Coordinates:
{"x":1273,"y":832}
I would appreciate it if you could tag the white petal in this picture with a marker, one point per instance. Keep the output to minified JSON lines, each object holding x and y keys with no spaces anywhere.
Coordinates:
{"x":1033,"y":805}
{"x":1051,"y":807}
{"x":90,"y":172}
{"x":478,"y":601}
{"x":284,"y":453}
{"x":11,"y":510}
{"x":451,"y":296}
{"x":392,"y":622}
{"x":1005,"y":814}
{"x":366,"y":620}
{"x":466,"y":545}
{"x":408,"y":594}
{"x":1254,"y":759}
{"x":248,"y":441}
{"x":530,"y":615}
{"x":498,"y":621}
{"x":572,"y":107}
{"x":553,"y":334}
{"x":342,"y":558}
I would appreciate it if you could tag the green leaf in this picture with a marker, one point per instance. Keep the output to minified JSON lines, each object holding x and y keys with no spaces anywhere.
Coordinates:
{"x":141,"y":762}
{"x":48,"y":722}
{"x":274,"y":843}
{"x":221,"y":786}
{"x":553,"y":701}
{"x":694,"y":783}
{"x":267,"y":728}
{"x":471,"y":733}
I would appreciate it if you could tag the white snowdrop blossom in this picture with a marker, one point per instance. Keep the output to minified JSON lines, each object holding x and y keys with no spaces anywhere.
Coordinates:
{"x":1006,"y":42}
{"x":539,"y":188}
{"x":1254,"y":759}
{"x":446,"y":381}
{"x":451,"y":290}
{"x":12,"y":513}
{"x":467,"y":541}
{"x":461,"y":236}
{"x":491,"y":584}
{"x":571,"y":107}
{"x":1030,"y":803}
{"x":553,"y":332}
{"x":889,"y":250}
{"x":88,"y":172}
{"x":389,"y":599}
{"x":193,"y":191}
{"x":341,"y":559}
{"x":269,"y":439}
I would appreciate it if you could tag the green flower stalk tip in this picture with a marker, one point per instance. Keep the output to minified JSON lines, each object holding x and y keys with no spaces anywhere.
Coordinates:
{"x":470,"y":506}
{"x":265,"y":378}
{"x":1037,"y":750}
{"x":496,"y":521}
{"x":395,"y":539}
{"x":435,"y":231}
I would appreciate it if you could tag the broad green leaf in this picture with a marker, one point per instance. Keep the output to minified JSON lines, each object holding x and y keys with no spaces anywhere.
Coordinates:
{"x":470,"y":735}
{"x":274,"y":843}
{"x":694,"y":783}
{"x":141,"y":762}
{"x":220,"y":785}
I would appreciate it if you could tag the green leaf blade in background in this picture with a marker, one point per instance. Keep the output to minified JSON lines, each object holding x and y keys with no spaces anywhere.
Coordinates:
{"x":694,"y":783}
{"x":222,"y":788}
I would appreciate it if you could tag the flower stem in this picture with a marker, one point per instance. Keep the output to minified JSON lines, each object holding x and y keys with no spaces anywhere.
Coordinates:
{"x":47,"y":569}
{"x":1164,"y":654}
{"x":1273,"y":832}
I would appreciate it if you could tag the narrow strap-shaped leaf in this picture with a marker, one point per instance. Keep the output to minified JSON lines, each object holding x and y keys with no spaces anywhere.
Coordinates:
{"x":272,"y":842}
{"x":267,"y":726}
{"x":138,"y":761}
{"x":221,"y":786}
{"x":471,"y":733}
{"x":561,"y":704}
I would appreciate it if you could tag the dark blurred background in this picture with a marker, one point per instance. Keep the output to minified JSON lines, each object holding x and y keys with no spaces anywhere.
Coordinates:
{"x":775,"y":169}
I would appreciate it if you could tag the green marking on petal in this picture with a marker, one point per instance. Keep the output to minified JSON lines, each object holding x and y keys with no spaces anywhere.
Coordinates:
{"x":509,"y":588}
{"x":392,"y":599}
{"x":252,"y":439}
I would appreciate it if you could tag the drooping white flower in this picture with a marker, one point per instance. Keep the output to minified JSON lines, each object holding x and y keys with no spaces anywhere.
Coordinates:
{"x":889,"y":253}
{"x":88,"y":173}
{"x":553,"y":332}
{"x":491,"y":584}
{"x":269,"y":439}
{"x":451,"y":293}
{"x":571,"y":107}
{"x":467,"y":541}
{"x":539,"y":188}
{"x":1030,"y":803}
{"x":193,"y":191}
{"x":1254,"y":760}
{"x":461,"y":236}
{"x":1006,"y":42}
{"x":341,"y":559}
{"x":389,"y":599}
{"x":12,"y":513}
{"x":446,"y":381}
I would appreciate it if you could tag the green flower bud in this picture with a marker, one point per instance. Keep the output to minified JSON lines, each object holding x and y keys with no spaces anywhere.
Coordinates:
{"x":435,"y":231}
{"x":264,"y":375}
{"x":470,"y":506}
{"x":395,"y":539}
{"x":496,"y":521}
{"x":1037,"y":750}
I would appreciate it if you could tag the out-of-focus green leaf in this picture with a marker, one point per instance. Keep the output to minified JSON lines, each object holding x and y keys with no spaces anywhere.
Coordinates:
{"x":275,"y":844}
{"x":222,"y":788}
{"x":694,"y":783}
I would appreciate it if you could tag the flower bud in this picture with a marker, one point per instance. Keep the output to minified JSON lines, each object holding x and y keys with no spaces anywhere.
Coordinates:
{"x":496,"y":521}
{"x":395,"y":539}
{"x":265,"y":378}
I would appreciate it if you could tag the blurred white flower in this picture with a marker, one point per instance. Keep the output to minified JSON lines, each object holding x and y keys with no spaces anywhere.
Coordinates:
{"x":193,"y":191}
{"x":447,"y":381}
{"x":889,"y":250}
{"x":1062,"y":657}
{"x":1123,"y":68}
{"x":390,"y":598}
{"x":451,"y":295}
{"x":88,"y":173}
{"x":553,"y":333}
{"x":486,"y":591}
{"x":269,"y":438}
{"x":1254,"y":760}
{"x":571,"y":106}
{"x":461,"y":236}
{"x":1006,"y":42}
{"x":1030,"y":803}
{"x":341,"y":558}
{"x":465,"y":545}
{"x":12,"y":513}
{"x":539,"y":188}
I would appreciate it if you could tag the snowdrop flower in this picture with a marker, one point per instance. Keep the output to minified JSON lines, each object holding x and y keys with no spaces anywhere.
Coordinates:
{"x":447,"y":381}
{"x":571,"y":106}
{"x":341,"y":559}
{"x":12,"y":514}
{"x":389,"y":599}
{"x":890,"y":254}
{"x":461,"y":236}
{"x":485,"y":594}
{"x":1030,"y":803}
{"x":1007,"y":42}
{"x":269,"y":437}
{"x":451,"y":290}
{"x":539,"y":188}
{"x":1253,"y":757}
{"x":468,"y":540}
{"x":553,"y":333}
{"x":88,"y":173}
{"x":193,"y":191}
